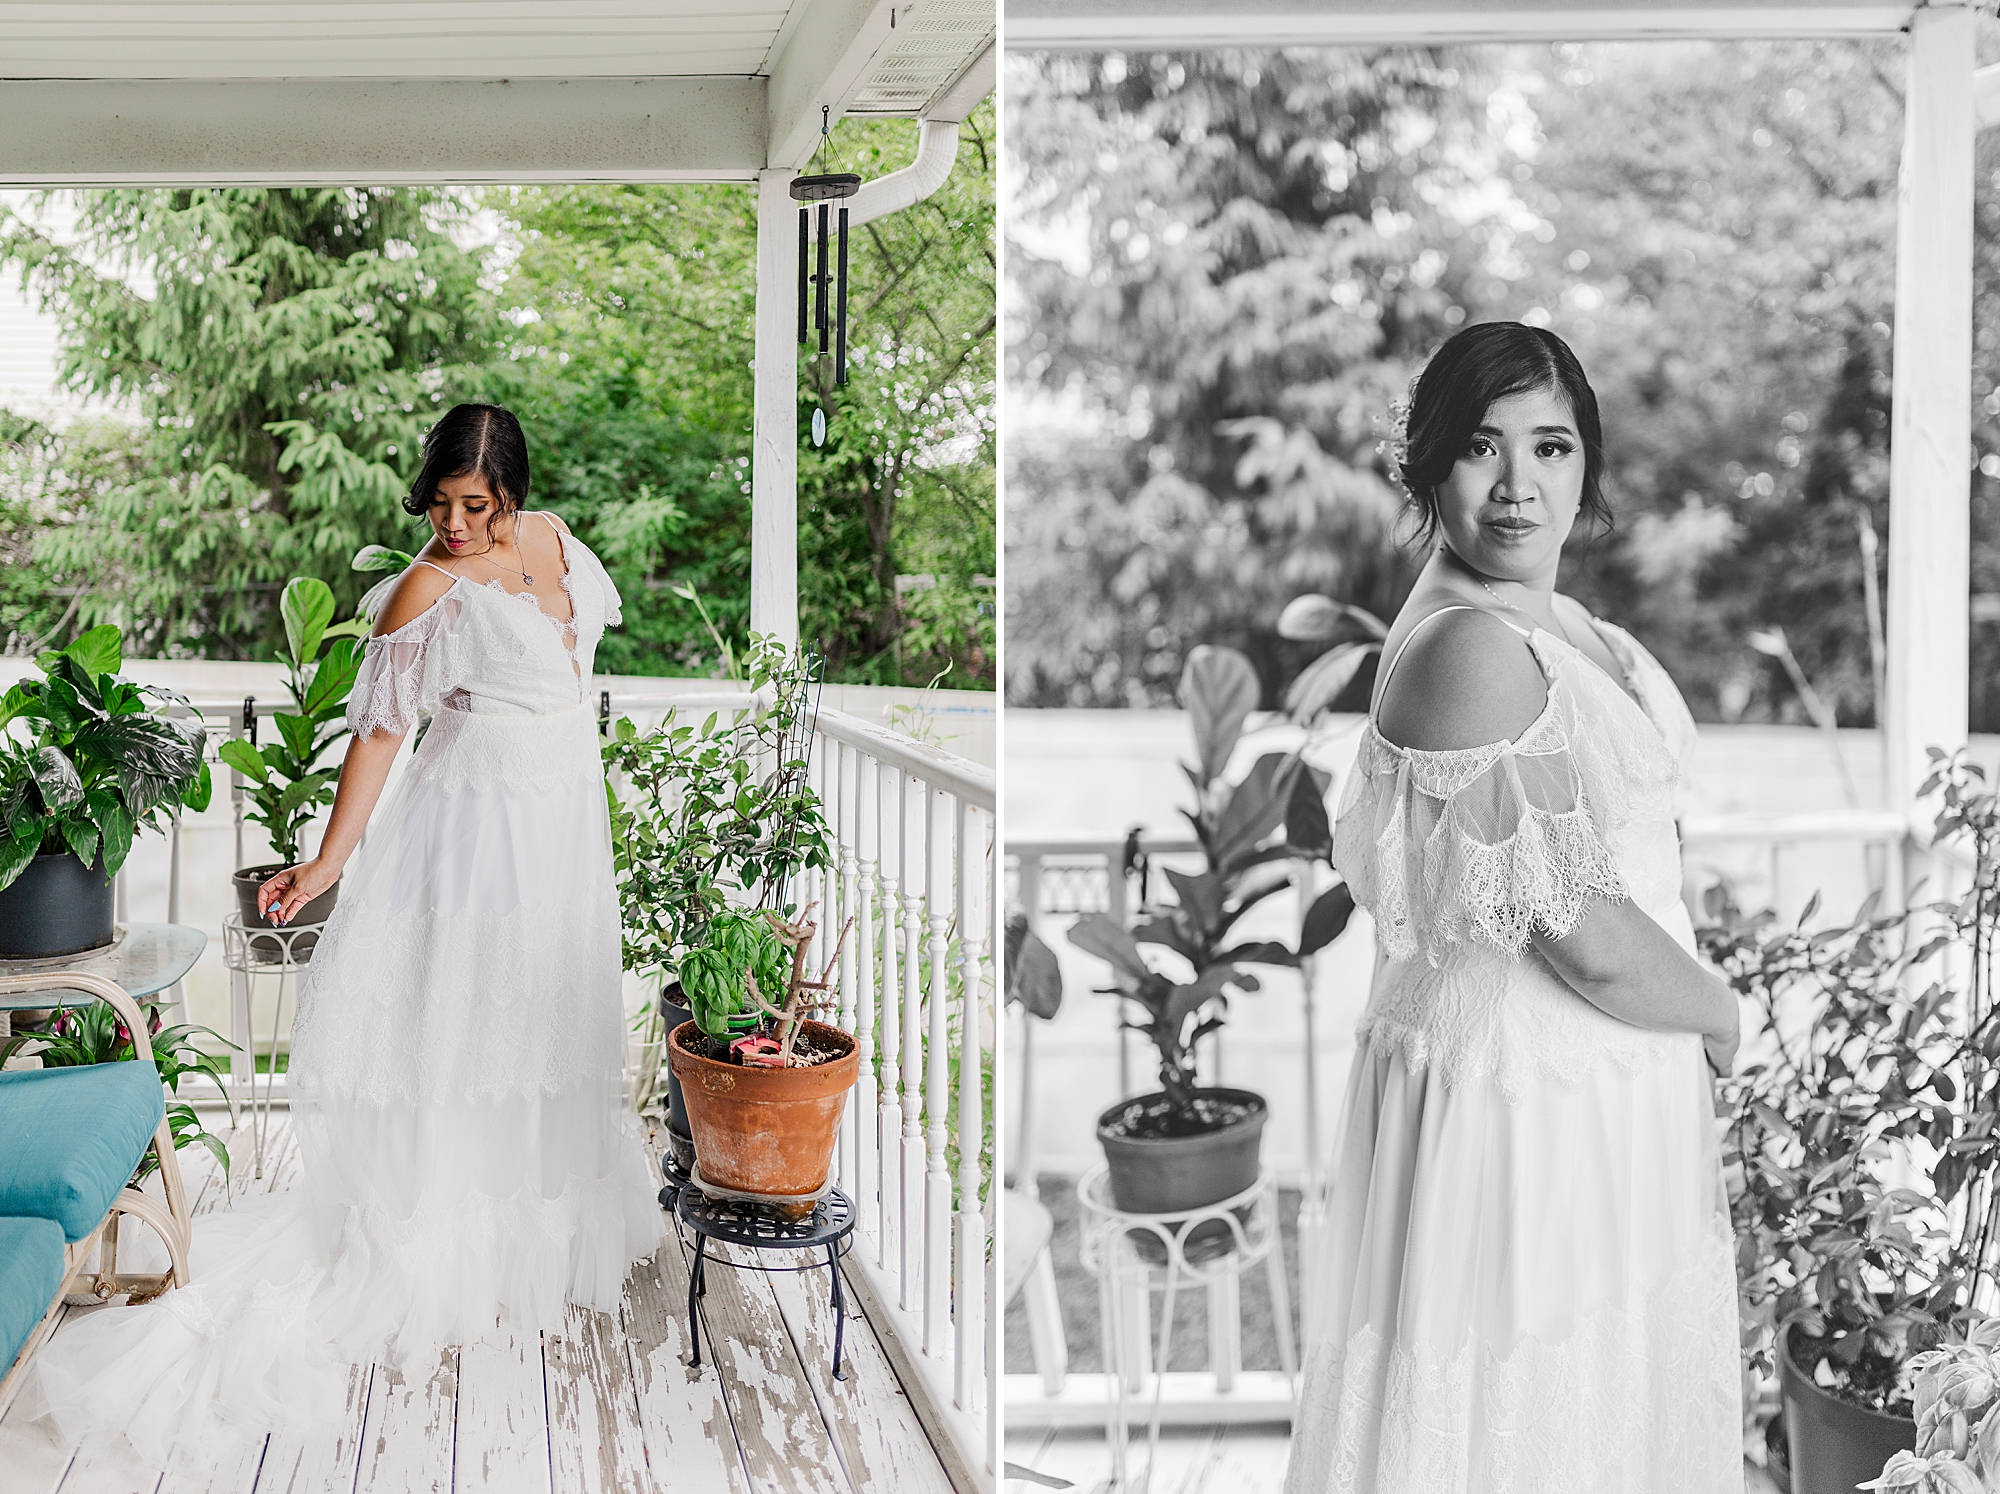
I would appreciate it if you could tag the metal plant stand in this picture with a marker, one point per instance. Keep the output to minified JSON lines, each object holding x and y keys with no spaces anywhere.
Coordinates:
{"x":830,"y":1223}
{"x":260,"y":951}
{"x":1132,"y":1254}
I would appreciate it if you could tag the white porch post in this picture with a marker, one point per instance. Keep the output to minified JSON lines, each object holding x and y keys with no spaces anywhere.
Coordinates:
{"x":774,"y":458}
{"x":1931,"y":427}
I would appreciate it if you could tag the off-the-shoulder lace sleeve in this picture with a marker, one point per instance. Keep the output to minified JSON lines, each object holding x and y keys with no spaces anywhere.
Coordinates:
{"x":410,"y":670}
{"x":1490,"y":844}
{"x":583,"y":558}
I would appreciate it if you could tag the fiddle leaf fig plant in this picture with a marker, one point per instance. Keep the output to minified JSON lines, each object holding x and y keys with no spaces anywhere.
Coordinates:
{"x":88,"y":758}
{"x":1248,"y":831}
{"x":287,"y":785}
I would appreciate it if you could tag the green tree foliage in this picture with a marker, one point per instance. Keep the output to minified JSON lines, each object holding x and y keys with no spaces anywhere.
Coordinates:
{"x":286,"y":350}
{"x":1724,"y":265}
{"x":285,"y":359}
{"x":1227,"y":264}
{"x":904,"y":483}
{"x":636,"y":315}
{"x":1712,"y":226}
{"x":48,"y":478}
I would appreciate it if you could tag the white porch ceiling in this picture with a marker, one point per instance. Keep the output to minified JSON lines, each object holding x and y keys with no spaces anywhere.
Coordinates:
{"x":382,"y":91}
{"x":382,"y":39}
{"x":1037,"y":24}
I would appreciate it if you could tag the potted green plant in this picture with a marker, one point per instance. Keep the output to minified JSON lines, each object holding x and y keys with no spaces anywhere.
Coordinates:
{"x":1861,"y":1147}
{"x":763,"y":1083}
{"x":1186,"y":1146}
{"x":287,"y":781}
{"x":700,"y":815}
{"x":93,"y":761}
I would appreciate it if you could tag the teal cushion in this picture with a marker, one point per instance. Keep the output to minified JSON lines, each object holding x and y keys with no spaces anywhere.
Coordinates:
{"x":70,"y":1139}
{"x":31,"y":1268}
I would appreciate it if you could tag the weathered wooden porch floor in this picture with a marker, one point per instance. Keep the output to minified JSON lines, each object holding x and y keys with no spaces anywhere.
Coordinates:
{"x":1245,"y":1459}
{"x":610,"y":1407}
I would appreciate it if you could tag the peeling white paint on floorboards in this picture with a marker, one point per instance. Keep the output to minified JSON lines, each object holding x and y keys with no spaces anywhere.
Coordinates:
{"x":609,"y":1407}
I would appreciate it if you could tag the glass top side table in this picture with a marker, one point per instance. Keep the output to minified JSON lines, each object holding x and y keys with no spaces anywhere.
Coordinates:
{"x":144,"y":958}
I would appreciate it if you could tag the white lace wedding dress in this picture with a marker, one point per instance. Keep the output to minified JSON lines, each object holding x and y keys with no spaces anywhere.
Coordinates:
{"x":465,"y":1161}
{"x":1529,"y":1280}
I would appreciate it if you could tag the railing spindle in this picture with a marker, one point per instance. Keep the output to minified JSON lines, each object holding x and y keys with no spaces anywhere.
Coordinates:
{"x":888,"y":1119}
{"x":861,"y":939}
{"x":844,"y":785}
{"x":969,"y":1258}
{"x":938,"y":869}
{"x":911,"y":859}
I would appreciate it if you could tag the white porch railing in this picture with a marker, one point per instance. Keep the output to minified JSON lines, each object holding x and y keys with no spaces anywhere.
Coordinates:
{"x":913,"y":829}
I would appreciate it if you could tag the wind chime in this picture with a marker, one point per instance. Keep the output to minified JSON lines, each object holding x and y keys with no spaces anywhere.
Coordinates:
{"x":816,"y":285}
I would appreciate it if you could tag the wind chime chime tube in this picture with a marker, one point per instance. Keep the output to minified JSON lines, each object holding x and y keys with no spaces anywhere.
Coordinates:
{"x":825,"y":284}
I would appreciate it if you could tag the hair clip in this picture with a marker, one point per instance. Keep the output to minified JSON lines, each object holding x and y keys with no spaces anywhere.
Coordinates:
{"x":1395,"y":446}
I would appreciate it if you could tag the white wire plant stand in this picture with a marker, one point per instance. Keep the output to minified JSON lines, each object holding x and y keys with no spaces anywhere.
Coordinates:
{"x":1133,"y":1255}
{"x":248,"y":953}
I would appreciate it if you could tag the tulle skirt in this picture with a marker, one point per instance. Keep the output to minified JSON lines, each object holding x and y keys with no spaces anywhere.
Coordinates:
{"x":1526,"y":1294}
{"x":466,"y":1163}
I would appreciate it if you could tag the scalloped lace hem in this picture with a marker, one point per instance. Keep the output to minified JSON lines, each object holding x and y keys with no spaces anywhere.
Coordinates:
{"x":1642,"y":1398}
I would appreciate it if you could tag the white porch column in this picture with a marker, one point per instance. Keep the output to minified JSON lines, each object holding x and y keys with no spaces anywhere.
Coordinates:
{"x":1931,"y":427}
{"x":774,"y":458}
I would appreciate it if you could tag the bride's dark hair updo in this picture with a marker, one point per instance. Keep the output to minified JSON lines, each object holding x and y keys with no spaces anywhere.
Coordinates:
{"x":474,"y":441}
{"x":1464,"y":378}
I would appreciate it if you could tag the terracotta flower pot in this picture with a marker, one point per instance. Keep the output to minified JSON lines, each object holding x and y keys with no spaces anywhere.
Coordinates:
{"x":765,"y":1132}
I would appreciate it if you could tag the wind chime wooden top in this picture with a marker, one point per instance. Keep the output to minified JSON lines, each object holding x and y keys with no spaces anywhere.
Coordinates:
{"x":824,"y":189}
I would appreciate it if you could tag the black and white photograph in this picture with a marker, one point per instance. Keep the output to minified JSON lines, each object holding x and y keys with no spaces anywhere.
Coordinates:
{"x":1501,"y":860}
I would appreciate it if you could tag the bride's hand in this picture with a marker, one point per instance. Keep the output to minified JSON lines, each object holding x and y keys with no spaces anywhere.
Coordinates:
{"x":282,"y":896}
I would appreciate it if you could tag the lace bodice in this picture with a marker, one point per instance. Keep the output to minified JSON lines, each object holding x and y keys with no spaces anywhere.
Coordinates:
{"x":488,"y":650}
{"x":1462,"y":856}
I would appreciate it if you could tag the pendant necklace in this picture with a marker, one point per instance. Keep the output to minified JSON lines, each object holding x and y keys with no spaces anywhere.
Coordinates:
{"x":1561,"y":627}
{"x":530,"y":580}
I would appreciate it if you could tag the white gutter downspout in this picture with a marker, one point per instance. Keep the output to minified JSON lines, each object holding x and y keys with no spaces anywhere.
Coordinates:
{"x":937,"y":148}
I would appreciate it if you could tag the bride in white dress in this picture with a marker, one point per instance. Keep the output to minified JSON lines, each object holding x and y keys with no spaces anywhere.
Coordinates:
{"x":1529,"y":1279}
{"x":455,"y":1073}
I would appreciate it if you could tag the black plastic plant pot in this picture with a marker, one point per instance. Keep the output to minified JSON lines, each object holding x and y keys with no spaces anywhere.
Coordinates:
{"x":271,"y":951}
{"x":1834,"y":1444}
{"x":680,"y":1138}
{"x":57,"y":906}
{"x":1168,"y":1162}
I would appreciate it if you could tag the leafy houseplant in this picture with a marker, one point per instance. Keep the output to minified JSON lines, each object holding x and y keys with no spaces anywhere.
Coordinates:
{"x":94,"y":1033}
{"x":1187,"y":1146}
{"x":96,"y":761}
{"x":1863,"y":1147}
{"x":704,"y":817}
{"x":285,"y":781}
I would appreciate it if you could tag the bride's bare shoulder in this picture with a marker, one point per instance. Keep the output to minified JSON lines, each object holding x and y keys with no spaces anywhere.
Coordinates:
{"x":1465,"y":678}
{"x":416,"y":591}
